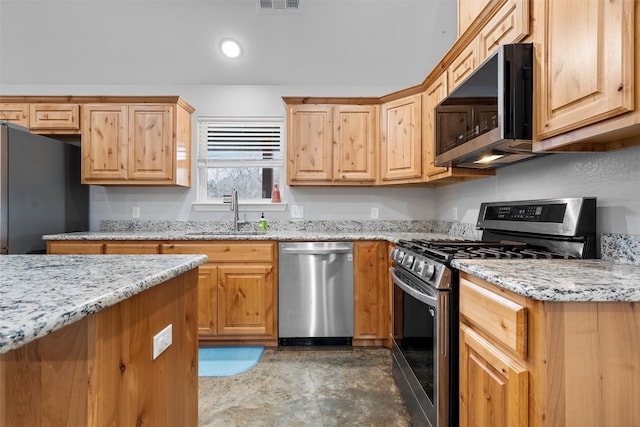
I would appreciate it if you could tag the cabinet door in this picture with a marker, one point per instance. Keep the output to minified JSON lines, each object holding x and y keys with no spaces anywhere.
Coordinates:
{"x":372,"y":312}
{"x":104,"y":143}
{"x":586,"y":63}
{"x":463,"y":65}
{"x":246,"y":300}
{"x":64,"y":117}
{"x":494,"y":389}
{"x":435,"y":93}
{"x":150,"y":143}
{"x":509,"y":25}
{"x":402,"y":139}
{"x":207,"y":300}
{"x":17,"y":114}
{"x":355,"y":142}
{"x":309,"y":147}
{"x":468,"y":11}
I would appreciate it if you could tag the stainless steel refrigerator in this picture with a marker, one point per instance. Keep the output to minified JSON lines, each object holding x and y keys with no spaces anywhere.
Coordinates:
{"x":40,"y":190}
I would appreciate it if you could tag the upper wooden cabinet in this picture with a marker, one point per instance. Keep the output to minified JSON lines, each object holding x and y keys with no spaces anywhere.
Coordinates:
{"x":586,"y":52}
{"x":331,"y":144}
{"x":54,"y":118}
{"x":468,"y":11}
{"x":141,"y":144}
{"x":401,"y":145}
{"x":15,"y":113}
{"x":510,"y":24}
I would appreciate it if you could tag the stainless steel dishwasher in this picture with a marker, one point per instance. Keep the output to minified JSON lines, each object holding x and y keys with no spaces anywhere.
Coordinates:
{"x":315,"y":293}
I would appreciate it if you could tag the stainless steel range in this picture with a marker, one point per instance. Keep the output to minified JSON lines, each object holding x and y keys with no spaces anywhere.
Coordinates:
{"x":425,"y":287}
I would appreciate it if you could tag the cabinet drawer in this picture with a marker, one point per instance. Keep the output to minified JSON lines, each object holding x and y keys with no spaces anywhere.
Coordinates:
{"x":15,"y":113}
{"x":74,"y":248}
{"x":463,"y":65}
{"x":131,"y":248}
{"x":225,"y":252}
{"x":502,"y":318}
{"x":55,"y":116}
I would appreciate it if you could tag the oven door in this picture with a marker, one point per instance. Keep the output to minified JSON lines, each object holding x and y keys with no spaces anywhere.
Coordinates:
{"x":421,"y":349}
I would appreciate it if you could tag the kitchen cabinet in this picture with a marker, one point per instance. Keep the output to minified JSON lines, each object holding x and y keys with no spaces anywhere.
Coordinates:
{"x":124,"y":248}
{"x":401,"y":145}
{"x":136,"y":144}
{"x":510,"y":24}
{"x":468,"y":11}
{"x":586,"y":54}
{"x":237,"y":291}
{"x":74,"y":247}
{"x":533,"y":363}
{"x":54,"y":118}
{"x":331,"y":144}
{"x":372,"y":288}
{"x":16,"y":113}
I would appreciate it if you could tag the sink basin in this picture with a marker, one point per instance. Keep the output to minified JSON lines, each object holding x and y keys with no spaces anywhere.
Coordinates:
{"x":225,"y":233}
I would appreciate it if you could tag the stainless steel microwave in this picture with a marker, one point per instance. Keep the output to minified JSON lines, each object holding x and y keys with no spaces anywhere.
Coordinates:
{"x":487,"y":120}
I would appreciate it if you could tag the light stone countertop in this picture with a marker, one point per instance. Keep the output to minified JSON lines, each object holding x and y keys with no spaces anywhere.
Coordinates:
{"x":559,"y":280}
{"x":40,"y":294}
{"x":288,"y":235}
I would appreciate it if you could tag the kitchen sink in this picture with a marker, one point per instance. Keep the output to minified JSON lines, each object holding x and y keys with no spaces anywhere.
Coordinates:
{"x":225,"y":233}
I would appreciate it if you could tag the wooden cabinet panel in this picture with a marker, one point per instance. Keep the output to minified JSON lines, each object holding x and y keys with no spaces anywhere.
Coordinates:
{"x":504,"y":319}
{"x":354,"y":147}
{"x":64,"y":248}
{"x":309,"y":143}
{"x":432,"y":97}
{"x":586,"y":63}
{"x":494,"y":389}
{"x":55,"y":117}
{"x":468,"y":11}
{"x":509,"y":25}
{"x":463,"y":65}
{"x":104,"y":143}
{"x":17,"y":114}
{"x":401,"y":157}
{"x":372,"y":310}
{"x":150,"y":143}
{"x":131,"y":248}
{"x":207,"y":300}
{"x":226,"y":251}
{"x":245,"y":300}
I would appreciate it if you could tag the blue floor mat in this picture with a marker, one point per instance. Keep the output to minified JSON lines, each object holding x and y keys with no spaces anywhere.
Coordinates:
{"x":227,"y":361}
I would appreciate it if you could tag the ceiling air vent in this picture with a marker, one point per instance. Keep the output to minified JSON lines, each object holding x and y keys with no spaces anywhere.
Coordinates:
{"x":278,"y":5}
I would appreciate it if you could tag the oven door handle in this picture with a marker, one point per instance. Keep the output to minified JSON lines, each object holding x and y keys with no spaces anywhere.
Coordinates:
{"x":420,"y":296}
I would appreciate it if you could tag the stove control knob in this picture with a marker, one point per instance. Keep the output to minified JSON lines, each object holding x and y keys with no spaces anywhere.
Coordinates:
{"x":408,"y":261}
{"x":394,"y":252}
{"x":428,"y":271}
{"x":399,"y":256}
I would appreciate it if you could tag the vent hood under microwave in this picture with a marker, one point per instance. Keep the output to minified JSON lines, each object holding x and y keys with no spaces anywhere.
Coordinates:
{"x":487,"y":120}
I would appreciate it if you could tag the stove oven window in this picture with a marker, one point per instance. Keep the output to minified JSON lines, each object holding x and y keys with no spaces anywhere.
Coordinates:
{"x":416,"y":338}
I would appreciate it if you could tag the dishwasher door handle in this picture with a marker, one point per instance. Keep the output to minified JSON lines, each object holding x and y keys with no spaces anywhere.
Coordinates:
{"x":295,"y":251}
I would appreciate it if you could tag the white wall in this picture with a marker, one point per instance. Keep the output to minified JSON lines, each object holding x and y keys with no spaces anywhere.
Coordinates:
{"x":613,"y":177}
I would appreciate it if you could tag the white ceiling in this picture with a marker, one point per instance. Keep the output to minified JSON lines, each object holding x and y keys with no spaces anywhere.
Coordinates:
{"x":327,"y":42}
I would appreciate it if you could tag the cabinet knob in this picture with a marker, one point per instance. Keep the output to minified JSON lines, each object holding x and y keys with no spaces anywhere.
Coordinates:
{"x":620,"y":88}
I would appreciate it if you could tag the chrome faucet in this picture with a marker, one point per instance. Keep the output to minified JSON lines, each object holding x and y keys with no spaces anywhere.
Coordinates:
{"x":234,"y":207}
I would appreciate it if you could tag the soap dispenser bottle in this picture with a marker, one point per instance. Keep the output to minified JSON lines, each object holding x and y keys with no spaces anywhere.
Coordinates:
{"x":262,"y":224}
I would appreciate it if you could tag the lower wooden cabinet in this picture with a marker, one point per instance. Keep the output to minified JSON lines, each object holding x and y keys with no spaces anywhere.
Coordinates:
{"x":534,"y":363}
{"x":372,"y":294}
{"x":237,"y":291}
{"x":238,"y":287}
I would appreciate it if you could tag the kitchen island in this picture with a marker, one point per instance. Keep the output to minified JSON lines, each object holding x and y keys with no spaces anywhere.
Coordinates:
{"x":76,"y":340}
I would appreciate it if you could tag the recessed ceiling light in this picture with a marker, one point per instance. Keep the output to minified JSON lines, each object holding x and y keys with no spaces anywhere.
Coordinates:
{"x":230,"y":48}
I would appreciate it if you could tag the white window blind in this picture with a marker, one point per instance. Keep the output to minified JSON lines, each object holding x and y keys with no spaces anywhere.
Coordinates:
{"x":240,"y":142}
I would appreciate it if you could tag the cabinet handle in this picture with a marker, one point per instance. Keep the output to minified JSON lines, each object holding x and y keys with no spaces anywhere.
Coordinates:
{"x":620,"y":88}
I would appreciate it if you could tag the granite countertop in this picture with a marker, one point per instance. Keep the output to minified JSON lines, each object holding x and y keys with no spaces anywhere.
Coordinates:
{"x":40,"y":294}
{"x":288,"y":235}
{"x":559,"y":280}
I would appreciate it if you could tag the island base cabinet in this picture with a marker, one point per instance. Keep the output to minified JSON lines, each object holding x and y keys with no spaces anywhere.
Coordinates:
{"x":100,"y":370}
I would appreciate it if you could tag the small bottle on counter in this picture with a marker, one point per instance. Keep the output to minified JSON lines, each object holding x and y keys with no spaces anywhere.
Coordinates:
{"x":275,"y":194}
{"x":262,"y":224}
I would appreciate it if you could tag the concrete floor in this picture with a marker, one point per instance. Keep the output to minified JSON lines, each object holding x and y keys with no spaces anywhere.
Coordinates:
{"x":307,"y":386}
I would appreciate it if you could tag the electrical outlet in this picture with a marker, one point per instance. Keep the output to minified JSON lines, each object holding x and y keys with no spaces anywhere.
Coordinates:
{"x":135,"y":213}
{"x":374,"y":213}
{"x":162,"y":341}
{"x":297,"y":212}
{"x":454,"y":213}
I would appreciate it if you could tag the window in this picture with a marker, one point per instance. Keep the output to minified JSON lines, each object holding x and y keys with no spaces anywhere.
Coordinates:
{"x":239,"y":153}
